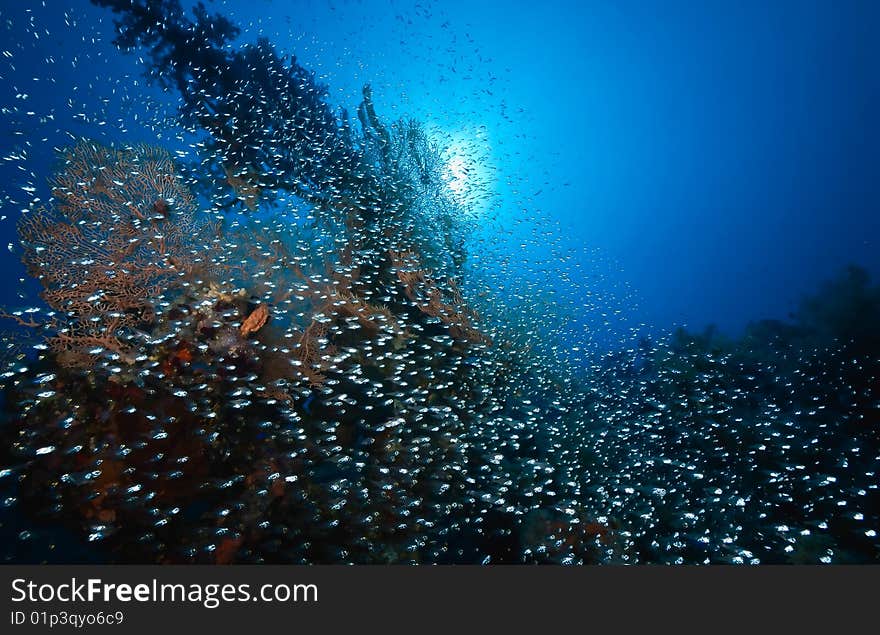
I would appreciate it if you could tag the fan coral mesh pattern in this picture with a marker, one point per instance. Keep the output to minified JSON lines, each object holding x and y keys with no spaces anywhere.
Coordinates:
{"x":123,"y":228}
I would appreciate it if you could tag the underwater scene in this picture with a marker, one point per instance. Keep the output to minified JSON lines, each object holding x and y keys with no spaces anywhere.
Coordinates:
{"x":419,"y":282}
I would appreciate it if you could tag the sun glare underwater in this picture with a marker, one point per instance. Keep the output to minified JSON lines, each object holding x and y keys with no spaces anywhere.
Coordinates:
{"x":345,"y":282}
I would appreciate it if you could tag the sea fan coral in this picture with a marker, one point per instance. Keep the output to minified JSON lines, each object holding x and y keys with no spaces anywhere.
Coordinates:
{"x":122,"y":230}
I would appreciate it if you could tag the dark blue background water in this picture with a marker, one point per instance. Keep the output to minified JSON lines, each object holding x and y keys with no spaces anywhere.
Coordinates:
{"x":724,"y":154}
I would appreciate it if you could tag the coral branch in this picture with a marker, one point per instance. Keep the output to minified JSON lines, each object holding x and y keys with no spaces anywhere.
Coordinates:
{"x":122,"y":231}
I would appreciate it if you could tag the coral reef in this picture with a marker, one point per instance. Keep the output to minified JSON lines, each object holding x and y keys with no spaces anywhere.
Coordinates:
{"x":202,"y":417}
{"x":311,"y":382}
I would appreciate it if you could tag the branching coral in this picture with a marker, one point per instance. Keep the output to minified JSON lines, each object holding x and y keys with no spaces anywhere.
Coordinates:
{"x":122,"y":231}
{"x":272,"y":131}
{"x":335,"y":306}
{"x":423,"y":291}
{"x":265,"y":114}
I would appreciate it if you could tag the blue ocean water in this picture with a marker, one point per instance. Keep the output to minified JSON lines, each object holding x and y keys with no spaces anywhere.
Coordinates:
{"x":302,"y":297}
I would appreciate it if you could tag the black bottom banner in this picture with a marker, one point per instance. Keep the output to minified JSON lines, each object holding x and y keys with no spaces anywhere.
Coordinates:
{"x":150,"y":599}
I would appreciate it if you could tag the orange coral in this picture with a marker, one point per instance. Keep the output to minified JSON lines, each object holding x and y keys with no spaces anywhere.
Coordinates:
{"x":423,"y":291}
{"x":255,"y":321}
{"x":313,"y":350}
{"x":123,"y":229}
